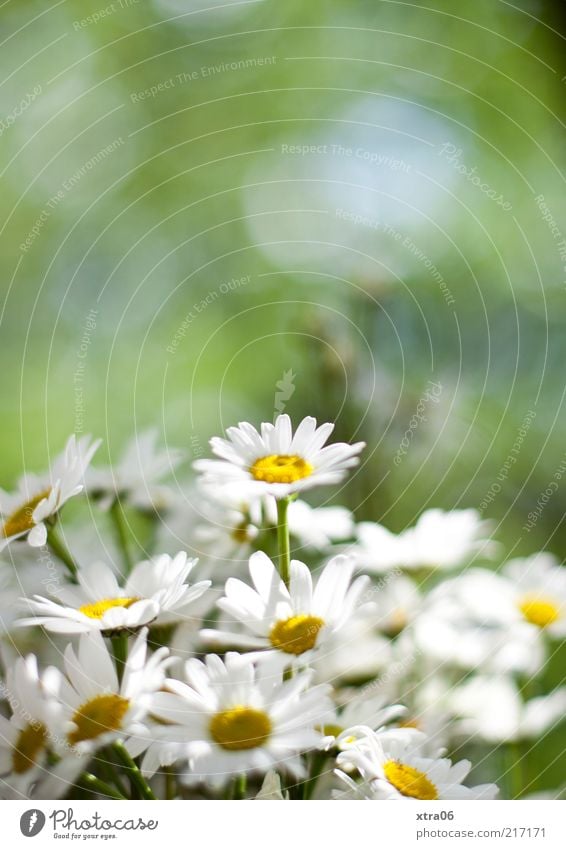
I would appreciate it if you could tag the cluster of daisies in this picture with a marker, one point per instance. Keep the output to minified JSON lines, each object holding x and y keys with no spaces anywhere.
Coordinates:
{"x":271,"y":649}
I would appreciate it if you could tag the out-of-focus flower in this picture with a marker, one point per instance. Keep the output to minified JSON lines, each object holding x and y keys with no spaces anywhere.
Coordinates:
{"x":374,"y":712}
{"x":155,"y":591}
{"x":473,"y":621}
{"x":135,"y":478}
{"x":491,"y":707}
{"x":439,"y":540}
{"x":392,"y":767}
{"x":235,"y":717}
{"x":39,"y":497}
{"x":396,"y":601}
{"x":276,"y":461}
{"x":538,"y":587}
{"x":25,"y":740}
{"x":291,"y":621}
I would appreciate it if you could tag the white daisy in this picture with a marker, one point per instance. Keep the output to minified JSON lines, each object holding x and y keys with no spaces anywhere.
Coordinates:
{"x":135,"y":477}
{"x":24,"y":513}
{"x":439,"y":540}
{"x":156,"y":590}
{"x":319,"y":528}
{"x":538,"y":587}
{"x":474,"y":621}
{"x":25,"y":738}
{"x":392,"y":767}
{"x":275,"y":461}
{"x":96,"y":708}
{"x":291,"y":621}
{"x":374,"y":712}
{"x":396,"y":601}
{"x":235,"y":717}
{"x":491,"y":707}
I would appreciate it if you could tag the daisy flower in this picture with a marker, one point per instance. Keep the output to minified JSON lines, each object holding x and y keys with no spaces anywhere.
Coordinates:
{"x":491,"y":707}
{"x":235,"y":716}
{"x":134,"y":478}
{"x":439,"y":540}
{"x":475,"y":621}
{"x":374,"y":712}
{"x":291,"y":621}
{"x":25,"y":739}
{"x":275,"y":461}
{"x":392,"y":767}
{"x":396,"y":601}
{"x":156,"y":590}
{"x":25,"y":512}
{"x":96,"y":708}
{"x":538,"y":588}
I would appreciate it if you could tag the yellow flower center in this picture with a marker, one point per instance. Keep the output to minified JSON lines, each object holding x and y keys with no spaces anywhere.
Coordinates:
{"x":330,"y":730}
{"x":296,"y":634}
{"x":240,"y":728}
{"x":241,"y":534}
{"x":409,"y":723}
{"x":281,"y":468}
{"x":539,"y":610}
{"x":97,"y":716}
{"x":99,"y":608}
{"x":21,"y":520}
{"x":31,"y":741}
{"x":409,"y":781}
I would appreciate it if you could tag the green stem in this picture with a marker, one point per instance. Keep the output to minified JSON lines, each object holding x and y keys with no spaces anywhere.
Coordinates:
{"x":60,"y":550}
{"x":317,"y":765}
{"x":516,"y":770}
{"x":120,"y":652}
{"x":240,"y":785}
{"x":170,"y":784}
{"x":106,"y":763}
{"x":121,"y":533}
{"x":283,"y":540}
{"x":91,"y":782}
{"x":133,"y":771}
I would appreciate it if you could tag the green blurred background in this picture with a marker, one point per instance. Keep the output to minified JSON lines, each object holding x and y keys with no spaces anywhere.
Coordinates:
{"x":382,"y":180}
{"x":153,"y":154}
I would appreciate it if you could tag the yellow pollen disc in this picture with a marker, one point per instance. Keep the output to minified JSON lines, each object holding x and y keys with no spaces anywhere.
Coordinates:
{"x":296,"y":634}
{"x":97,"y":716}
{"x":329,"y":730}
{"x":538,"y":610}
{"x":409,"y":723}
{"x":240,"y":533}
{"x":22,"y":519}
{"x":31,"y":741}
{"x":281,"y":468}
{"x":240,"y":728}
{"x":409,"y":781}
{"x":99,"y":608}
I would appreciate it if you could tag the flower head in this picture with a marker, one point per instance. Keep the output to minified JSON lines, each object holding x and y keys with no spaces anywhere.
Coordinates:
{"x":290,"y":621}
{"x":392,"y":767}
{"x":276,"y":461}
{"x":135,"y":477}
{"x":24,"y":513}
{"x":97,"y":708}
{"x":235,"y":716}
{"x":439,"y":540}
{"x":155,"y":590}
